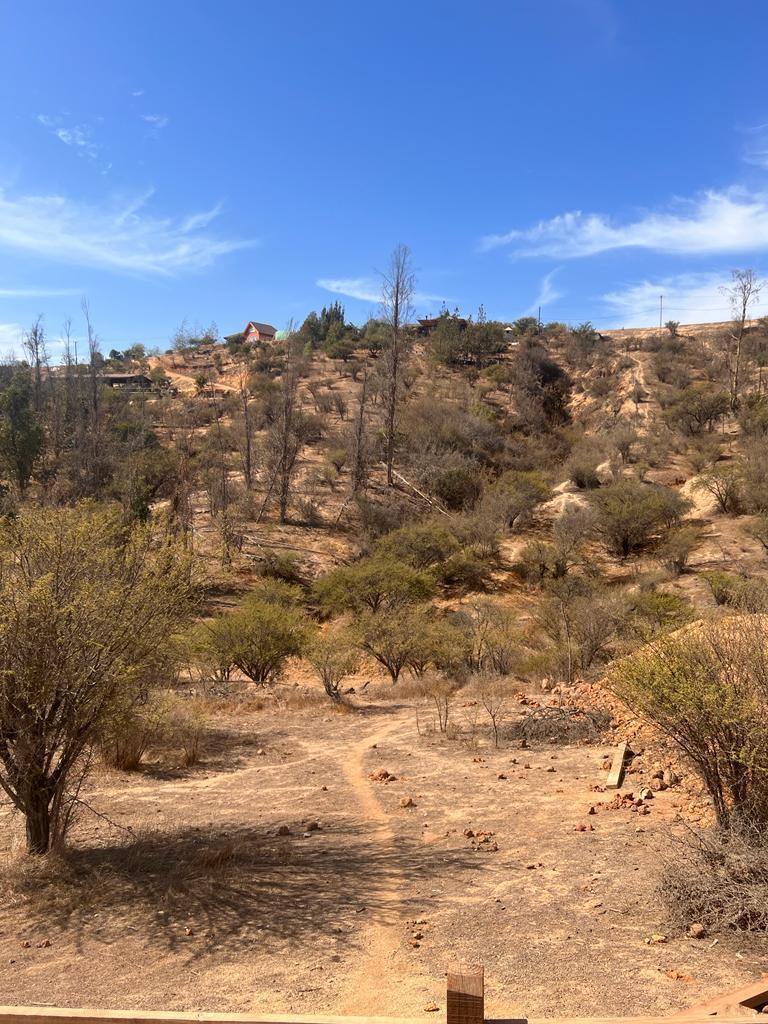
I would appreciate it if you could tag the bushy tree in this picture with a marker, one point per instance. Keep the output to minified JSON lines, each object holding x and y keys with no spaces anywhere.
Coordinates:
{"x":515,"y":495}
{"x":390,"y":637}
{"x":707,"y":688}
{"x":21,"y":435}
{"x":375,"y":584}
{"x":630,"y":514}
{"x":85,"y":609}
{"x":260,"y":636}
{"x":725,"y":482}
{"x":420,"y":545}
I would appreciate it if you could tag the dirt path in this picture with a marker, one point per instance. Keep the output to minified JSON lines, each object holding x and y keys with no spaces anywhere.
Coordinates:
{"x":367,"y":990}
{"x":638,"y":413}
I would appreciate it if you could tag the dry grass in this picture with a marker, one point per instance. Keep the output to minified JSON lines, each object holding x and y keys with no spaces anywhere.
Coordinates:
{"x":567,"y":724}
{"x":719,"y":879}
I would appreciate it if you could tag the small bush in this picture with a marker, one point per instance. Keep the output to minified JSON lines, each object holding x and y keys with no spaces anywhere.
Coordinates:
{"x":718,"y":878}
{"x":128,"y":735}
{"x":285,"y":566}
{"x":676,"y":548}
{"x":333,"y":659}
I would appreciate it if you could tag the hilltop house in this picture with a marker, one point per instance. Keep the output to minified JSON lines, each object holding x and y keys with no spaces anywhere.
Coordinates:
{"x":255,"y":331}
{"x":129,"y":381}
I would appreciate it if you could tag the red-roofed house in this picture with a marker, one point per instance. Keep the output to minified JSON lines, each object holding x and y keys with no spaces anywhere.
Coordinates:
{"x":258,"y":332}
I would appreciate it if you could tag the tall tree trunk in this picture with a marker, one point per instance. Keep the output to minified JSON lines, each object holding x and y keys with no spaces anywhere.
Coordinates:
{"x":38,"y":820}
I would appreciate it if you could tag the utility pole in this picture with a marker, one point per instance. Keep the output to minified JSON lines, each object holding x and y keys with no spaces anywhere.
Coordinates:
{"x":538,"y":322}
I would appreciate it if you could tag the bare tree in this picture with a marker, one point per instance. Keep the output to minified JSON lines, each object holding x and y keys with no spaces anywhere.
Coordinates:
{"x":287,"y":434}
{"x":359,"y":440}
{"x":744,"y":292}
{"x":494,"y":693}
{"x":398,"y":287}
{"x":248,"y":432}
{"x":33,"y":343}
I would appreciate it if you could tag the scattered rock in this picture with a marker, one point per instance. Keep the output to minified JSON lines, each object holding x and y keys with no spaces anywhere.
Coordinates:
{"x":551,"y":768}
{"x":697,"y":931}
{"x":382,"y":775}
{"x":679,"y":976}
{"x":313,"y":826}
{"x":502,"y":775}
{"x":283,"y":830}
{"x":407,"y":801}
{"x":431,"y":1008}
{"x":656,"y":939}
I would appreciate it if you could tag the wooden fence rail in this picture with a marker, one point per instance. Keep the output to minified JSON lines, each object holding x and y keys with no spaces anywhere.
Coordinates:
{"x":465,"y":1004}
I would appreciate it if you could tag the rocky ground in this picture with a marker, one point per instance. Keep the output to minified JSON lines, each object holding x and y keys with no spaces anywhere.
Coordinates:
{"x":322,"y":861}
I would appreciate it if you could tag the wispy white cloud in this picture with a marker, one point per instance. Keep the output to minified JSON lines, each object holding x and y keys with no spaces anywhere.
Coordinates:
{"x":156,"y":120}
{"x":755,"y":151}
{"x":120,"y":235}
{"x":137,"y":92}
{"x":10,"y":337}
{"x":547,"y":293}
{"x":36,"y":293}
{"x":78,"y":136}
{"x":366,"y":289}
{"x":687,"y":298}
{"x":733,"y":220}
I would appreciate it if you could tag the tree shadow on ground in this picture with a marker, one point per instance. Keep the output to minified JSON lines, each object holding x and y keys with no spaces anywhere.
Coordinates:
{"x":191,"y":890}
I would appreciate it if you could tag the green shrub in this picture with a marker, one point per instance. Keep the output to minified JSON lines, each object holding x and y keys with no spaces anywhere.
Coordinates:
{"x":515,"y":495}
{"x":630,"y":514}
{"x":456,"y":487}
{"x":466,"y":570}
{"x":333,"y":658}
{"x":376,"y":583}
{"x":706,"y":687}
{"x":420,"y":545}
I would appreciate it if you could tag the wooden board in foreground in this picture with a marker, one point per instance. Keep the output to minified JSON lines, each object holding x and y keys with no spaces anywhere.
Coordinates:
{"x":465,"y":1000}
{"x":746,"y":1001}
{"x":57,"y":1015}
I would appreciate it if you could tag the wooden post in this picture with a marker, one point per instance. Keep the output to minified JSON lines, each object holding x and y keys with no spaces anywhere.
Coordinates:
{"x":466,"y":994}
{"x":617,"y":766}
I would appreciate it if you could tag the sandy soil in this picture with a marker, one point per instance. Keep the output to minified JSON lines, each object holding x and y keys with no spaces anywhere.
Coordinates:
{"x":213,"y":910}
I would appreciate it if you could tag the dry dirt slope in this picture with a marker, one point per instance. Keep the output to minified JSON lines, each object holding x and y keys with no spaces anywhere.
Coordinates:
{"x":217,"y":911}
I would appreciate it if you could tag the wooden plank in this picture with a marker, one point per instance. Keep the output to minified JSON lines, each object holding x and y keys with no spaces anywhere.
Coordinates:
{"x":616,"y":773}
{"x":465,"y":1003}
{"x":745,"y":1001}
{"x":62,"y":1015}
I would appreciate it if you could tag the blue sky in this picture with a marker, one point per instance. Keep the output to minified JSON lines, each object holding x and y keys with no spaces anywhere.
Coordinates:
{"x":235,"y":160}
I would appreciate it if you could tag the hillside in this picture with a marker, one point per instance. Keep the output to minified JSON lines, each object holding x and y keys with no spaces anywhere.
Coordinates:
{"x":378,"y":733}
